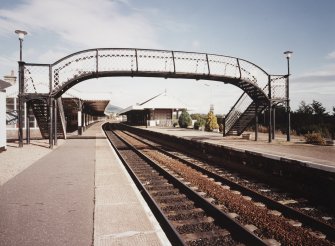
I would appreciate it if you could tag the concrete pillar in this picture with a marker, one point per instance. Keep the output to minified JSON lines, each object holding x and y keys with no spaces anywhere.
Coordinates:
{"x":80,"y":132}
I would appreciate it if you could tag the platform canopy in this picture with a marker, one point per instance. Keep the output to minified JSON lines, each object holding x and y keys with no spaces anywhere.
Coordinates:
{"x":93,"y":103}
{"x":160,"y":101}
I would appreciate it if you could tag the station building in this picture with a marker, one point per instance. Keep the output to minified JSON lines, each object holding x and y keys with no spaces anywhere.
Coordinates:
{"x":160,"y":110}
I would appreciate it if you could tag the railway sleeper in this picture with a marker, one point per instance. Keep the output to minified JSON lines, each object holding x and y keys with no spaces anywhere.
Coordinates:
{"x":205,"y":237}
{"x":158,"y":187}
{"x":196,"y":227}
{"x":182,"y":205}
{"x":206,"y":219}
{"x":170,"y":198}
{"x":166,"y":192}
{"x":189,"y":214}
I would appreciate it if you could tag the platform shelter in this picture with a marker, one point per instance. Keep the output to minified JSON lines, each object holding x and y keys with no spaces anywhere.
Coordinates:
{"x":160,"y":110}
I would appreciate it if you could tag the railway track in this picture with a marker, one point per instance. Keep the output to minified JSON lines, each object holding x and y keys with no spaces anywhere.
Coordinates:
{"x":203,"y":208}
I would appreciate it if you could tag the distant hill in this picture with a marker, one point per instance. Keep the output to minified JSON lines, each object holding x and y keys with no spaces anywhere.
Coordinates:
{"x":112,"y":109}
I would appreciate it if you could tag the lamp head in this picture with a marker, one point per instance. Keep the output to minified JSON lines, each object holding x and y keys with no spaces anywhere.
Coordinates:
{"x":21,"y":34}
{"x":288,"y":54}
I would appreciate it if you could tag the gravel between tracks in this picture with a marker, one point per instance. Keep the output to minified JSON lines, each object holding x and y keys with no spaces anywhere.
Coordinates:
{"x":270,"y":226}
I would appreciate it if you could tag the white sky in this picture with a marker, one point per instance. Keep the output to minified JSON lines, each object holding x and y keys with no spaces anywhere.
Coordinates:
{"x":258,"y":31}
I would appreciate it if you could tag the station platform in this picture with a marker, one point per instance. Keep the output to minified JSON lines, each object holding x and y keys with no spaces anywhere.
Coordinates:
{"x":314,"y":156}
{"x":79,"y":193}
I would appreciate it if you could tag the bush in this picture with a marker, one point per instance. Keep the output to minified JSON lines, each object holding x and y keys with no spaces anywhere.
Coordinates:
{"x":184,"y":119}
{"x":315,"y":138}
{"x":196,"y":125}
{"x":200,"y":119}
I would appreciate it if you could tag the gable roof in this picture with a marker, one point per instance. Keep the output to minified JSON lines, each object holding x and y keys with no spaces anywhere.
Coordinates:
{"x":4,"y":85}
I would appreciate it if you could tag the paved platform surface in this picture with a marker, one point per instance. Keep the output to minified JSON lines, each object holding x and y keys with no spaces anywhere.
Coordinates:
{"x":76,"y":194}
{"x":322,"y":157}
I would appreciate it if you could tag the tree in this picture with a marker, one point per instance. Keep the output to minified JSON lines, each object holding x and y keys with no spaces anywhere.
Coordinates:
{"x":333,"y":110}
{"x":184,"y":119}
{"x":318,"y":108}
{"x":211,"y":122}
{"x":305,"y":108}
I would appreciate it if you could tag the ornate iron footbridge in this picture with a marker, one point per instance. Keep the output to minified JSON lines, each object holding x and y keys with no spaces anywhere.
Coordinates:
{"x":261,"y":90}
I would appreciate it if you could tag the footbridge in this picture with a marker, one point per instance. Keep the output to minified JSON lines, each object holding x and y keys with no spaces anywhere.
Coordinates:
{"x":260,"y":89}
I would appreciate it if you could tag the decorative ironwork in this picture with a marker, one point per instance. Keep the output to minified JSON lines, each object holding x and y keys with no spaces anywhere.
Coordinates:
{"x":278,"y":88}
{"x":141,"y":62}
{"x":12,"y":117}
{"x":36,"y":78}
{"x":56,"y":78}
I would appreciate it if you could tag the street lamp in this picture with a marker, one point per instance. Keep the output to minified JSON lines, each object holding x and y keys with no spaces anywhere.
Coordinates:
{"x":21,"y":35}
{"x":288,"y":56}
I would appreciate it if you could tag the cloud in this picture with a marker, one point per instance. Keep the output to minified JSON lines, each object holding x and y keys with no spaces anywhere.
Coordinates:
{"x":331,"y":55}
{"x":319,"y":77}
{"x":99,"y":23}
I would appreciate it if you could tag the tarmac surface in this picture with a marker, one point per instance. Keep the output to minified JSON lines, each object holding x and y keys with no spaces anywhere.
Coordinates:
{"x":79,"y":193}
{"x":52,"y":201}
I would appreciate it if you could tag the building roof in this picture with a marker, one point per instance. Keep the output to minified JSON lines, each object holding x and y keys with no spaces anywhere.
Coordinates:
{"x":160,"y":101}
{"x":4,"y":85}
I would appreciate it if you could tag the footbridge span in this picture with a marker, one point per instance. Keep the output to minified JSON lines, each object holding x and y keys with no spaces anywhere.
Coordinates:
{"x":260,"y":89}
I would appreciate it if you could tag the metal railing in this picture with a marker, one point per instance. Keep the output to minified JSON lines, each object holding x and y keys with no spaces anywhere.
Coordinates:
{"x":57,"y":77}
{"x":11,"y":117}
{"x":278,"y":95}
{"x":54,"y":79}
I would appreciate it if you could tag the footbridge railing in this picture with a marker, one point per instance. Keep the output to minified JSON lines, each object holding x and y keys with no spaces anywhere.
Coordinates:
{"x":52,"y":80}
{"x":245,"y":107}
{"x":56,"y":78}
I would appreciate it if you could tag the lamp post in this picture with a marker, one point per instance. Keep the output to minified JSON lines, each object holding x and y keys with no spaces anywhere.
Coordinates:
{"x":21,"y":35}
{"x":288,"y":56}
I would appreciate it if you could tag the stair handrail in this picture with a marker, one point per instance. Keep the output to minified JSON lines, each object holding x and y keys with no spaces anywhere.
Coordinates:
{"x":237,"y":110}
{"x":11,"y":117}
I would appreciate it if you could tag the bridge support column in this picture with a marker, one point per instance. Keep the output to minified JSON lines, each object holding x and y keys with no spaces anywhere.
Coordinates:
{"x":27,"y":124}
{"x":288,"y":115}
{"x":273,"y":122}
{"x":270,"y":124}
{"x":50,"y":123}
{"x":55,"y":122}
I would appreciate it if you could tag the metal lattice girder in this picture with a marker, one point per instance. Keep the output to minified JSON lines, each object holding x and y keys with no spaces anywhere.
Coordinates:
{"x":11,"y":117}
{"x":54,"y":79}
{"x":61,"y":75}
